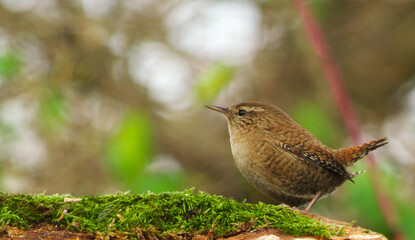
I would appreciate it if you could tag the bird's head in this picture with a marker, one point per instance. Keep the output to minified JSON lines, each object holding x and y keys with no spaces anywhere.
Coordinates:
{"x":250,"y":115}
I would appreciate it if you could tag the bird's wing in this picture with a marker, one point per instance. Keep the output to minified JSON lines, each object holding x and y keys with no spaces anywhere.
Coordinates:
{"x":308,"y":148}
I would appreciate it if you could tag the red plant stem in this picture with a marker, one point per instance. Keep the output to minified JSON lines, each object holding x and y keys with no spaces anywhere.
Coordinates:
{"x":331,"y":72}
{"x":345,"y":106}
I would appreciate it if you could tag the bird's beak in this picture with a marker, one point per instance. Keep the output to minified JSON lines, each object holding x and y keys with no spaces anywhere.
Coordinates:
{"x":217,"y":109}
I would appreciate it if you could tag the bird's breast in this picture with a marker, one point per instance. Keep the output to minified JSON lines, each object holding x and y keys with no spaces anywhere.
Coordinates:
{"x":247,"y":158}
{"x":240,"y":151}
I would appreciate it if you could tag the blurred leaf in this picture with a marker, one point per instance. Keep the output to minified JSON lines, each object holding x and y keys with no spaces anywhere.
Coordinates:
{"x":52,"y":111}
{"x":357,"y":201}
{"x":392,"y":183}
{"x":130,"y":152}
{"x":160,"y":182}
{"x":407,"y":218}
{"x":9,"y":65}
{"x":314,"y":119}
{"x":320,"y":9}
{"x":7,"y":132}
{"x":362,"y":199}
{"x":131,"y":148}
{"x":212,"y":81}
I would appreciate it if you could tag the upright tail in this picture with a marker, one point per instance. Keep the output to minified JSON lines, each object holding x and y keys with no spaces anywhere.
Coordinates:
{"x":348,"y":156}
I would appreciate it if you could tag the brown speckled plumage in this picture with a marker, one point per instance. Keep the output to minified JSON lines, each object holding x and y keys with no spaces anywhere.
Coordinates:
{"x":282,"y":159}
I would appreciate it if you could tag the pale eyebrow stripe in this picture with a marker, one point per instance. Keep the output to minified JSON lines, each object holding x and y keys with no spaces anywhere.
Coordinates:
{"x":252,"y":108}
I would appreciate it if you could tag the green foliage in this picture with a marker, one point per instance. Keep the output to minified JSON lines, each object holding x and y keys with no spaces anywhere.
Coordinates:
{"x":159,"y":182}
{"x":131,"y":148}
{"x":321,"y":9}
{"x":25,"y":210}
{"x":174,"y":212}
{"x":130,"y":152}
{"x":361,"y":198}
{"x":52,"y":112}
{"x":10,"y":65}
{"x":404,"y":206}
{"x":315,"y":120}
{"x":7,"y":132}
{"x":212,"y":81}
{"x":406,"y":212}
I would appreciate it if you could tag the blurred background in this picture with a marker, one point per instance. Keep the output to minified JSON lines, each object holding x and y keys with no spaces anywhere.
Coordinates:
{"x":104,"y":96}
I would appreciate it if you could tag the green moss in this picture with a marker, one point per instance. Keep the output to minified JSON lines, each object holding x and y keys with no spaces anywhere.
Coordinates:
{"x":186,"y":213}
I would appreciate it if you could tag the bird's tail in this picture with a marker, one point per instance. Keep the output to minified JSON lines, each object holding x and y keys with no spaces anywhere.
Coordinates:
{"x":348,"y":156}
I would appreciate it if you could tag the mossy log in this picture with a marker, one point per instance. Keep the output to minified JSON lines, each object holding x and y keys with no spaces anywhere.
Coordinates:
{"x":173,"y":215}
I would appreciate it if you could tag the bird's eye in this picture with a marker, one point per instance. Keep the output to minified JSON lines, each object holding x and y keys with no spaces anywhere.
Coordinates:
{"x":241,"y":112}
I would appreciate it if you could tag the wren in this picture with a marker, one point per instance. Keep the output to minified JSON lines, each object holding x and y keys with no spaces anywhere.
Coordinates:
{"x":282,"y":159}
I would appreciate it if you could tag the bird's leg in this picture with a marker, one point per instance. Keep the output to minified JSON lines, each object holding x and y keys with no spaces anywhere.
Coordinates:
{"x":316,"y":197}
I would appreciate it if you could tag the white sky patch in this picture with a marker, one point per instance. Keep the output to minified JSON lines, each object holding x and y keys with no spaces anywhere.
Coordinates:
{"x":164,"y":163}
{"x":227,"y":30}
{"x":166,"y":75}
{"x":48,"y":9}
{"x":91,"y":110}
{"x":16,"y":112}
{"x":35,"y":61}
{"x":14,"y":183}
{"x":19,"y":5}
{"x":118,"y":43}
{"x":97,"y":9}
{"x":400,"y":130}
{"x":27,"y":150}
{"x":139,"y":5}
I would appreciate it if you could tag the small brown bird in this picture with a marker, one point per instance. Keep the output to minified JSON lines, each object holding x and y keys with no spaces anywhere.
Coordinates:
{"x":282,"y":159}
